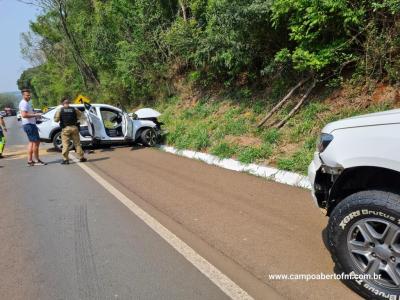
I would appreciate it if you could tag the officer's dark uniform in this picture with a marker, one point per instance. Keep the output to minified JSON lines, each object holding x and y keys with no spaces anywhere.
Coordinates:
{"x":68,"y":118}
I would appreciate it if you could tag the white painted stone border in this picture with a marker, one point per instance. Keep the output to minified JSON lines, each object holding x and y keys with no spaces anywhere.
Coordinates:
{"x":270,"y":173}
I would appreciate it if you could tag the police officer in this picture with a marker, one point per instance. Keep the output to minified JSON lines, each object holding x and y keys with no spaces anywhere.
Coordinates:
{"x":68,"y":117}
{"x":2,"y":137}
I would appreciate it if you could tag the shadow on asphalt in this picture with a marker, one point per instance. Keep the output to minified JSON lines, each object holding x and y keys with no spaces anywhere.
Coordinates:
{"x":102,"y":148}
{"x":107,"y":149}
{"x":97,"y":159}
{"x":58,"y":161}
{"x":10,"y":155}
{"x":137,"y":147}
{"x":110,"y":148}
{"x":324,"y":235}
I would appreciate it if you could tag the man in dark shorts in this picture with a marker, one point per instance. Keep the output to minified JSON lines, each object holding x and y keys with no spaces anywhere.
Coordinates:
{"x":29,"y":124}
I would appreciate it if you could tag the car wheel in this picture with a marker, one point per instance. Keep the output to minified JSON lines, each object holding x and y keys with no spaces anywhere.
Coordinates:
{"x":149,"y":137}
{"x":57,"y":142}
{"x":364,"y":240}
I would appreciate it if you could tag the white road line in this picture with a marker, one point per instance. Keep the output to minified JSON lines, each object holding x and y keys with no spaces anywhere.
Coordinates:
{"x":230,"y":288}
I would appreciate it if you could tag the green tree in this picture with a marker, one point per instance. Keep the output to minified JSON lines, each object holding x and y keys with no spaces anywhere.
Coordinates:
{"x":124,"y":51}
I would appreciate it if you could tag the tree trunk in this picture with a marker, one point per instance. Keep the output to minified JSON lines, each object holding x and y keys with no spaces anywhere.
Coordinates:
{"x":183,"y":8}
{"x":283,"y":101}
{"x":298,"y":105}
{"x":84,"y":68}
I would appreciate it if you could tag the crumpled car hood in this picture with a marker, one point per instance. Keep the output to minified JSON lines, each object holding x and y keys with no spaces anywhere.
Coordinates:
{"x":145,"y":113}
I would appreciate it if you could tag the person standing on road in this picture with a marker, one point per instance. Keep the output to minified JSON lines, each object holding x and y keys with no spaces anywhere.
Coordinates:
{"x":2,"y":136}
{"x":29,"y":124}
{"x":68,"y":117}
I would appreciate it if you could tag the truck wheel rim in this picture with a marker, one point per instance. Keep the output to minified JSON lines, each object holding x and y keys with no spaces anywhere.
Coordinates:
{"x":374,"y":247}
{"x":59,"y":142}
{"x":151,"y":137}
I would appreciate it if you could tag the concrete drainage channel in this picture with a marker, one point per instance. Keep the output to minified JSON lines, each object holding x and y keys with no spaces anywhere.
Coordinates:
{"x":270,"y":173}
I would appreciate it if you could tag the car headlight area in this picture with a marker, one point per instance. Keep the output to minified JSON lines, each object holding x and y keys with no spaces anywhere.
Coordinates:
{"x":323,"y":141}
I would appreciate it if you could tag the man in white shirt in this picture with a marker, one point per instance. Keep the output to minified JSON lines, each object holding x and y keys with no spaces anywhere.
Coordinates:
{"x":29,"y":124}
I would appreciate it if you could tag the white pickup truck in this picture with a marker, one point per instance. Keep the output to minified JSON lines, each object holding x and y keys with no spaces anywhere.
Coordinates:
{"x":355,"y":176}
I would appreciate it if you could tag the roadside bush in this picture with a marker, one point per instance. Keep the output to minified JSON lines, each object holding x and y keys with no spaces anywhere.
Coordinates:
{"x":190,"y":137}
{"x":176,"y":135}
{"x":224,"y":150}
{"x":271,"y":136}
{"x":198,"y":137}
{"x":200,"y":111}
{"x":298,"y":162}
{"x":251,"y":154}
{"x":236,"y":126}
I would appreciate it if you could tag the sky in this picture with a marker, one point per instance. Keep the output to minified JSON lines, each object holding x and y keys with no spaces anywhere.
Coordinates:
{"x":14,"y":19}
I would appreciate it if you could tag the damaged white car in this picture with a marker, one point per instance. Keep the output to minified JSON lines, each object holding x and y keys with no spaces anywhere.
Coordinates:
{"x":103,"y":124}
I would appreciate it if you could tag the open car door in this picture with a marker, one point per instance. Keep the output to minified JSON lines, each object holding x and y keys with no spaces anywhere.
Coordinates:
{"x":95,"y":125}
{"x":127,"y":126}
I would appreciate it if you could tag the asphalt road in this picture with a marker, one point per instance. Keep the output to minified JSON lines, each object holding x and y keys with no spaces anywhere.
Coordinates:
{"x":65,"y":237}
{"x":15,"y":134}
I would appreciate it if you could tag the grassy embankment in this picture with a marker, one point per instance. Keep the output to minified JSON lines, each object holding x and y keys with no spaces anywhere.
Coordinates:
{"x":227,"y":128}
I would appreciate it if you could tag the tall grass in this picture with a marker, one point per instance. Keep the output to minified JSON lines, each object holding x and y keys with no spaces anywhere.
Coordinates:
{"x":218,"y":127}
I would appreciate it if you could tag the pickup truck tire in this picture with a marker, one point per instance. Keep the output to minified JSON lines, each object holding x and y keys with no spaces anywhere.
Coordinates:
{"x":364,"y":236}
